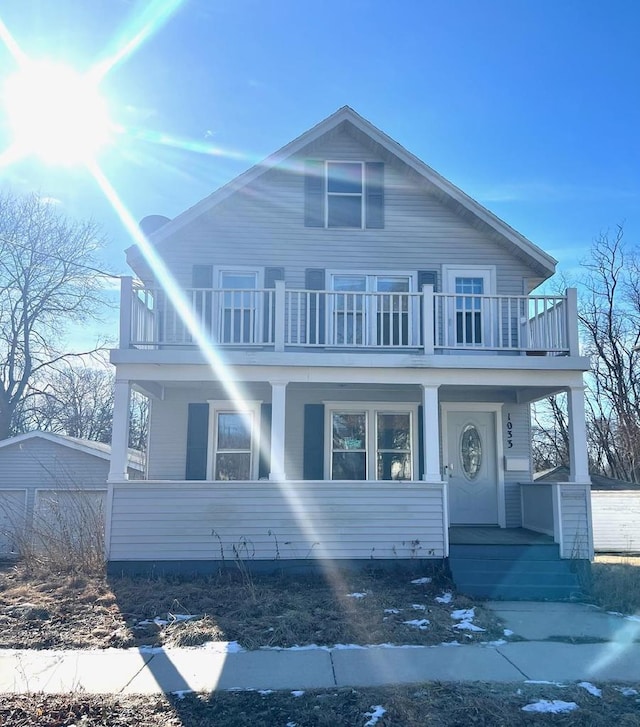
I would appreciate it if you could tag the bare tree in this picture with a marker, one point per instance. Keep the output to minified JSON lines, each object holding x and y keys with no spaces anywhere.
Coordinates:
{"x":609,"y":314}
{"x":609,"y":320}
{"x":46,"y":282}
{"x":77,"y":399}
{"x":74,"y":399}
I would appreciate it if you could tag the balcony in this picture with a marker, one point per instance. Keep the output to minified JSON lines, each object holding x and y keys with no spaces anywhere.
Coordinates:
{"x":282,"y":319}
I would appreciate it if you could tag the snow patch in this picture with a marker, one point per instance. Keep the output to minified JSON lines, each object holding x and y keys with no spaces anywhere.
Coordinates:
{"x":418,"y":607}
{"x":591,"y":688}
{"x":180,"y":694}
{"x":375,"y":714}
{"x":297,"y":692}
{"x":265,"y":692}
{"x":421,"y":581}
{"x":467,"y":626}
{"x":544,"y":681}
{"x":553,"y":706}
{"x":507,"y":632}
{"x":356,"y":595}
{"x":463,"y":614}
{"x":444,"y":598}
{"x":392,"y":610}
{"x":627,"y":691}
{"x":418,"y":623}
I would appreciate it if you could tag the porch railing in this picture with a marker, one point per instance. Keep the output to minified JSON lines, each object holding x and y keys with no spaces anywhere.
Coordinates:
{"x":282,"y":319}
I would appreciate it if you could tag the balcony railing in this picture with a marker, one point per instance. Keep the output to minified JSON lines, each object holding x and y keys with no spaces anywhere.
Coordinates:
{"x":284,"y":319}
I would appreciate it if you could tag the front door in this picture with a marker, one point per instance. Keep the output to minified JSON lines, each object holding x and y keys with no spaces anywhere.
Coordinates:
{"x":471,"y":468}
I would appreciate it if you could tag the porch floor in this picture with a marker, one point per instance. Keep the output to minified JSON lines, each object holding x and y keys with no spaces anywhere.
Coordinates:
{"x":496,"y":536}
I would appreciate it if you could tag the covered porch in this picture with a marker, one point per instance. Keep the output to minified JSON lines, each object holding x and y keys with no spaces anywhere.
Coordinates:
{"x":403,"y":498}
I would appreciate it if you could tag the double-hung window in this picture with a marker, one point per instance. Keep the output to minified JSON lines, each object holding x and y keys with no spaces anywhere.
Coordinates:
{"x":371,"y":442}
{"x":373,"y":310}
{"x":235,"y":438}
{"x":345,"y":194}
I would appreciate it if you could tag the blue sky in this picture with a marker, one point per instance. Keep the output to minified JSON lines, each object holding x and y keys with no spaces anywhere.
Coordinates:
{"x":531,"y":107}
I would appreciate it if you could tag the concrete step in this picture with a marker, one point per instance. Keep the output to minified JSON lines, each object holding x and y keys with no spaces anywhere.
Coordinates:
{"x":506,"y":552}
{"x":532,"y":592}
{"x":501,"y":565}
{"x":505,"y":578}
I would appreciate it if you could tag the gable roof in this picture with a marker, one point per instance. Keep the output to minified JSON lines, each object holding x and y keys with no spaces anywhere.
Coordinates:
{"x":447,"y":191}
{"x":88,"y":446}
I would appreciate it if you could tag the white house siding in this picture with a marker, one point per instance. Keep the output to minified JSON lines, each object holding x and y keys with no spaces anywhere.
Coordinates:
{"x":616,"y":520}
{"x":575,"y":513}
{"x":263,"y":521}
{"x":263,"y":225}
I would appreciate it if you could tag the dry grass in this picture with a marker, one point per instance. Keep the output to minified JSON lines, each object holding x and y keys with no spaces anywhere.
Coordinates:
{"x":616,"y":584}
{"x":433,"y":704}
{"x":80,"y":611}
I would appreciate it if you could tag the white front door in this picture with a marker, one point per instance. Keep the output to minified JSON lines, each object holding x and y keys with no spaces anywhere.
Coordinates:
{"x":471,"y":468}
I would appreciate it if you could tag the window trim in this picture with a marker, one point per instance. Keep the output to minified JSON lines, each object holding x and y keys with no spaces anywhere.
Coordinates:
{"x":220,"y":406}
{"x":362,"y":194}
{"x":370,"y":409}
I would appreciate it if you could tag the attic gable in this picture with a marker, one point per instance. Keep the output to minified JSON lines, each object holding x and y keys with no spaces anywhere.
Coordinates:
{"x":346,"y":120}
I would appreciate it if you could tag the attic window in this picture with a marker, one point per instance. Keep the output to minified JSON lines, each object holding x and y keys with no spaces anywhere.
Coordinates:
{"x":344,"y":194}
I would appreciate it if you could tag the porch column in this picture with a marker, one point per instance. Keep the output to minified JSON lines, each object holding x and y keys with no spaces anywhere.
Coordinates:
{"x":578,"y":455}
{"x":120,"y":431}
{"x":431,"y":434}
{"x":278,"y":407}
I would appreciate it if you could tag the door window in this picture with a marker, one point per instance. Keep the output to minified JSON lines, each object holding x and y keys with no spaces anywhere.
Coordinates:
{"x":239,"y":310}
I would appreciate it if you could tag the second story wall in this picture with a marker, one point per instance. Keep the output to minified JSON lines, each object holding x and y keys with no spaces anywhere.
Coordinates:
{"x":263,"y":225}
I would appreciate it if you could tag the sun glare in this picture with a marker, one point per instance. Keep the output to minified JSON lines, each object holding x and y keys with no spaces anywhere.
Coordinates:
{"x":56,"y":113}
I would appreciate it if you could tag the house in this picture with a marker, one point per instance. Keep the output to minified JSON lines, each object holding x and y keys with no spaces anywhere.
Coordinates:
{"x":615,"y":507}
{"x":41,"y":470}
{"x":340,"y":348}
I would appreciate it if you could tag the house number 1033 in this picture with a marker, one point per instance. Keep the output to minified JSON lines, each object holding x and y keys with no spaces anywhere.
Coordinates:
{"x":509,"y":432}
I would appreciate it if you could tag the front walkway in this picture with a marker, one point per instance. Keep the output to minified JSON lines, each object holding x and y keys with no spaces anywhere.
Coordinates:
{"x":546,"y":653}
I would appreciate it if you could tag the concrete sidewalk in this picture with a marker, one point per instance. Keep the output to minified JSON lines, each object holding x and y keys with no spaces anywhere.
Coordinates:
{"x":615,"y":656}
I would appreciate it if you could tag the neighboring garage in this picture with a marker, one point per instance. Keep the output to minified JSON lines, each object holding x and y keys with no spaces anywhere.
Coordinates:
{"x":52,"y":481}
{"x":615,"y":508}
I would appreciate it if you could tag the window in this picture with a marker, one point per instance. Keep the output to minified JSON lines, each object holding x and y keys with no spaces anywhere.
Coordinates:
{"x":234,"y":435}
{"x":469,"y":310}
{"x":386,"y":317}
{"x":345,"y":194}
{"x":239,"y":306}
{"x":385,"y":454}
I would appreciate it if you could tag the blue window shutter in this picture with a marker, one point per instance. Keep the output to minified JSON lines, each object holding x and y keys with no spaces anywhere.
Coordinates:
{"x":428,"y":277}
{"x":314,"y":193}
{"x":313,"y":449}
{"x":420,"y":442}
{"x":270,"y":277}
{"x":202,"y":276}
{"x":374,"y":202}
{"x":197,"y":441}
{"x":314,"y":279}
{"x":264,"y":463}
